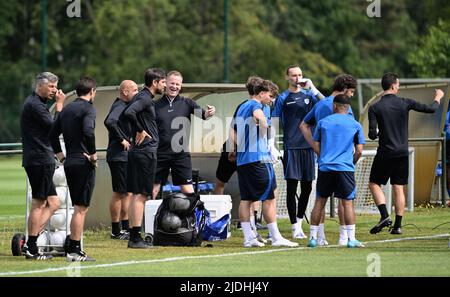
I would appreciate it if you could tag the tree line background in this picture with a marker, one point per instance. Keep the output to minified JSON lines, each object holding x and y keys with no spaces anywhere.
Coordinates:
{"x":118,"y":39}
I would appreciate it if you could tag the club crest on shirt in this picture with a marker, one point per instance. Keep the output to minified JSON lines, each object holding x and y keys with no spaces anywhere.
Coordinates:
{"x":306,"y":100}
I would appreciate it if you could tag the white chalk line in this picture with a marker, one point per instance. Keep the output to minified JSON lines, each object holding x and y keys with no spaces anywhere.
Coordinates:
{"x":173,"y":259}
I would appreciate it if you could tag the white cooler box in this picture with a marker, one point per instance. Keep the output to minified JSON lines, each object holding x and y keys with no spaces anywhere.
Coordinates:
{"x":217,"y":205}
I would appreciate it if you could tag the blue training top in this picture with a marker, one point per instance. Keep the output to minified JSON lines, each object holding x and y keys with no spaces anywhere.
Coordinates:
{"x":291,"y":108}
{"x":338,"y":134}
{"x":251,"y":147}
{"x":322,"y":109}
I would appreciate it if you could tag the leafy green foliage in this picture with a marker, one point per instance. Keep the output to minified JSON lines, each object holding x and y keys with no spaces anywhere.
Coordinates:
{"x":118,"y":39}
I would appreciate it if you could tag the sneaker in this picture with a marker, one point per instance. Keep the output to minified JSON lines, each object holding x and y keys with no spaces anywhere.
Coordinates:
{"x":284,"y":242}
{"x":355,"y":244}
{"x":140,"y":244}
{"x":312,"y":243}
{"x":269,"y":238}
{"x":396,"y":231}
{"x":79,"y":257}
{"x":123,"y":235}
{"x":342,"y":242}
{"x":386,"y":222}
{"x":298,"y":234}
{"x":259,"y":226}
{"x":253,"y":243}
{"x":322,"y":242}
{"x":38,"y":256}
{"x":260,"y":238}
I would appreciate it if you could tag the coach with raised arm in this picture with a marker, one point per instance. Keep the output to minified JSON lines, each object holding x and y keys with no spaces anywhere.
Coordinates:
{"x":173,"y":110}
{"x":390,"y":115}
{"x":38,"y":158}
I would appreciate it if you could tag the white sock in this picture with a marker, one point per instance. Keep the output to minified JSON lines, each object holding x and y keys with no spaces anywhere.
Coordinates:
{"x":248,"y":232}
{"x":252,"y":222}
{"x":351,"y":230}
{"x":273,"y":231}
{"x":343,"y":232}
{"x":299,"y":223}
{"x":295,"y":227}
{"x":321,"y":231}
{"x":313,"y":231}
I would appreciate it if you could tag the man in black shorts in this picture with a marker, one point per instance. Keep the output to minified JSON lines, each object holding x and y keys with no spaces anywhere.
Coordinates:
{"x":173,"y":150}
{"x":226,"y":167}
{"x":391,"y":114}
{"x":142,"y":156}
{"x":77,"y":124}
{"x":119,"y":135}
{"x":38,"y":158}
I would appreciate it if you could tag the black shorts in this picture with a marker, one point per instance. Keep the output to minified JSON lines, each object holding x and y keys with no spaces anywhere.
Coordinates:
{"x":256,"y":181}
{"x":179,"y":165}
{"x":340,"y":183}
{"x":447,"y":151}
{"x":299,"y":164}
{"x":141,"y":172}
{"x":41,"y":180}
{"x":225,"y":168}
{"x":81,"y":182}
{"x":119,"y":172}
{"x":383,"y":169}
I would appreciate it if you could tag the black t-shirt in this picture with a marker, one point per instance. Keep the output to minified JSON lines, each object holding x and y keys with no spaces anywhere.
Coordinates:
{"x":77,"y":124}
{"x":176,"y":113}
{"x":142,"y":116}
{"x":118,"y":130}
{"x":35,"y":125}
{"x":391,"y":115}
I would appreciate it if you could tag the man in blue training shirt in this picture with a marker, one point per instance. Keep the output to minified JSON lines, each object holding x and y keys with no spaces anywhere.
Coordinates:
{"x":447,"y":149}
{"x":343,"y":84}
{"x":339,"y":141}
{"x":255,"y":172}
{"x":298,"y":160}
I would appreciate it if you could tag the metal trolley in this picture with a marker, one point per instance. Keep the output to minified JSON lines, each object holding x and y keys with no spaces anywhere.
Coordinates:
{"x":54,"y":238}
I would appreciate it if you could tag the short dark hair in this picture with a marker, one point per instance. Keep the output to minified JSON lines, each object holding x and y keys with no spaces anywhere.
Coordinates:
{"x":290,"y":67}
{"x":85,"y":85}
{"x":152,"y":74}
{"x":388,"y":80}
{"x":344,"y":81}
{"x":266,"y":86}
{"x":252,"y":81}
{"x":342,"y":99}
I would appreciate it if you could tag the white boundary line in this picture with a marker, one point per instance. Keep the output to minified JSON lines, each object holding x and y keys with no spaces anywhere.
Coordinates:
{"x":12,"y":273}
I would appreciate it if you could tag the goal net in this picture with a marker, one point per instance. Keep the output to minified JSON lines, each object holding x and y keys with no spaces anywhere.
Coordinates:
{"x":363,"y":202}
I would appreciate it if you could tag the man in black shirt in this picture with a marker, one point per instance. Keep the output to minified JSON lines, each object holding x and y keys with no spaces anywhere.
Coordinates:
{"x":173,"y":110}
{"x":77,"y":124}
{"x":391,"y":115}
{"x":142,"y":155}
{"x":119,"y":135}
{"x":38,"y":158}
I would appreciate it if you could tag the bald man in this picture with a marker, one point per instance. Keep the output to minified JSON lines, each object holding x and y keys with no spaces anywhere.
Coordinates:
{"x":119,"y":134}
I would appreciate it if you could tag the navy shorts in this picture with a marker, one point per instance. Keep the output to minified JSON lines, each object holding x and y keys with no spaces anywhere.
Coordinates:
{"x":383,"y":169}
{"x":179,"y":165}
{"x":340,"y":183}
{"x":141,"y":172}
{"x":119,"y":172}
{"x":41,"y":180}
{"x":225,"y":168}
{"x":256,"y":181}
{"x":299,"y":164}
{"x":81,"y":182}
